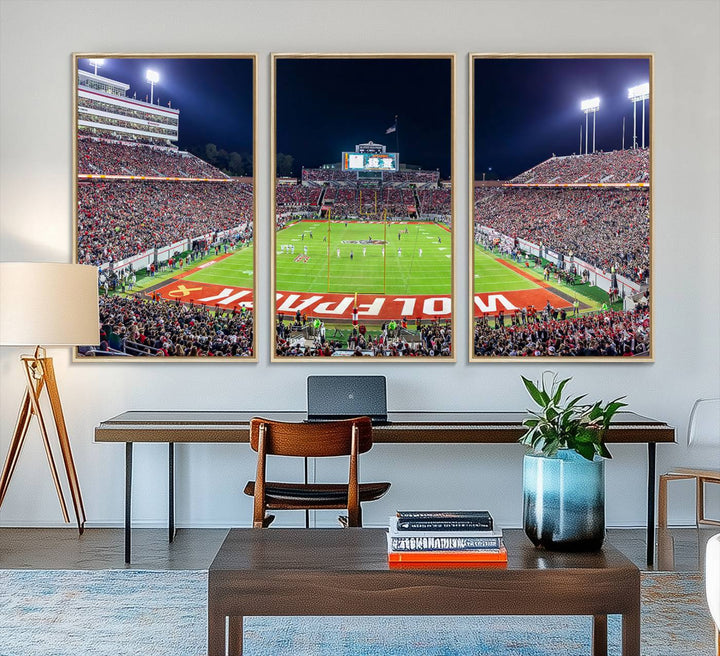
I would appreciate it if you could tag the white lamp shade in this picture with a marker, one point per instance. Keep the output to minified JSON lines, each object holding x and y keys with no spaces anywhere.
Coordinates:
{"x":48,"y":304}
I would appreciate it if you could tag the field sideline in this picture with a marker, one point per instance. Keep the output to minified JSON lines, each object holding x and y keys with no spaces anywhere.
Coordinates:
{"x":495,"y":274}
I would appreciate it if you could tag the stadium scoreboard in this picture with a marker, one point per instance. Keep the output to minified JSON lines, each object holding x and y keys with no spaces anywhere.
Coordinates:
{"x":353,"y":161}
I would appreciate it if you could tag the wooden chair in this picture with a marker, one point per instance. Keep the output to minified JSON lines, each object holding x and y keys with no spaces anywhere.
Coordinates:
{"x":703,"y":429}
{"x":349,"y":437}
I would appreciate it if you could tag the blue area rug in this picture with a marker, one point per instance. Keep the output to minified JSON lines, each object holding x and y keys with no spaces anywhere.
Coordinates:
{"x":135,"y":612}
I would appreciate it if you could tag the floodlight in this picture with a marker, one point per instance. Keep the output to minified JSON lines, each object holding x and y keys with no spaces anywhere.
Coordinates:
{"x":590,"y":105}
{"x":639,"y":92}
{"x":153,"y":77}
{"x":96,"y":63}
{"x":636,"y":94}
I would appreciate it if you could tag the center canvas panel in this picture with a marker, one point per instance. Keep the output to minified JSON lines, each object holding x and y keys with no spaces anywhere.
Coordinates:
{"x":363,"y":206}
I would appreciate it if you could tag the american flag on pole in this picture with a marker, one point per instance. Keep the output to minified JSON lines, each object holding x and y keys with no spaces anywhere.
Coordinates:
{"x":392,"y":128}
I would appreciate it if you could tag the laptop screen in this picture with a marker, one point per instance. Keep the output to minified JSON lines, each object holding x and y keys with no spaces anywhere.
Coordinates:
{"x":339,"y":397}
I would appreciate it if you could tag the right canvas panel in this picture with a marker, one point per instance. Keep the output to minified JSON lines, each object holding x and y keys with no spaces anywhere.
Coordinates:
{"x":561,"y":170}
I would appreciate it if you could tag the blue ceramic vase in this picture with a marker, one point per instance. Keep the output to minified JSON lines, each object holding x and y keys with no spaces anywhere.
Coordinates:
{"x":564,"y":501}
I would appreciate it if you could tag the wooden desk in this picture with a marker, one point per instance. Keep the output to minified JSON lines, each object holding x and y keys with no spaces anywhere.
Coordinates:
{"x":206,"y":426}
{"x":345,"y":572}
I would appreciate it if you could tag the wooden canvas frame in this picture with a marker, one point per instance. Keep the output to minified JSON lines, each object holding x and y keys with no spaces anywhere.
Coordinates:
{"x":279,"y":294}
{"x":490,"y":348}
{"x":234,"y":300}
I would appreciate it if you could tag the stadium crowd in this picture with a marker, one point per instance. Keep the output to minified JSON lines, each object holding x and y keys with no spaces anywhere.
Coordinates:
{"x":162,"y":132}
{"x":607,"y":333}
{"x":435,"y":201}
{"x":320,"y":175}
{"x":394,"y":339}
{"x":107,"y":157}
{"x":412,"y":176}
{"x":163,"y":328}
{"x":604,"y":227}
{"x":119,"y":110}
{"x":338,"y":175}
{"x":289,"y":197}
{"x":614,"y":166}
{"x":118,"y":219}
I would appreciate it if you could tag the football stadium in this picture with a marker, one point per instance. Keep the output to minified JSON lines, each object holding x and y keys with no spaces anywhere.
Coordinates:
{"x":561,"y":261}
{"x":363,"y":259}
{"x":170,"y":234}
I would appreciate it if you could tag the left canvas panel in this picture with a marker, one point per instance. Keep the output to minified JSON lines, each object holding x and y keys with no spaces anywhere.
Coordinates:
{"x":165,"y":203}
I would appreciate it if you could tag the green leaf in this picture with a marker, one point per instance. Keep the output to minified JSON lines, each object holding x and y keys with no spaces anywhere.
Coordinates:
{"x":558,"y":393}
{"x":534,"y":392}
{"x":577,"y":399}
{"x":586,"y":451}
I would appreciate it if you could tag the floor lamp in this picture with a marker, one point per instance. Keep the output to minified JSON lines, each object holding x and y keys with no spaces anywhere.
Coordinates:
{"x":46,"y":304}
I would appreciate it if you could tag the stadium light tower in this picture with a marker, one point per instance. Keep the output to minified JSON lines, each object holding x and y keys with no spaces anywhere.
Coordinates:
{"x":590,"y":105}
{"x":153,"y":77}
{"x":636,"y":93}
{"x":96,"y":63}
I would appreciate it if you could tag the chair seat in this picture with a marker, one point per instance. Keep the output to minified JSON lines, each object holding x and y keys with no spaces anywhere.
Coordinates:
{"x":288,"y":496}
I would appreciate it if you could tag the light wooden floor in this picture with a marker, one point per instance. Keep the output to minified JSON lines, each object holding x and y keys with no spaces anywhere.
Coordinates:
{"x":680,"y":549}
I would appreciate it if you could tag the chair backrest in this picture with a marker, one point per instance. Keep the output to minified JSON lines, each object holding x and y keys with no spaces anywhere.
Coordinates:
{"x":704,"y":423}
{"x":311,"y":440}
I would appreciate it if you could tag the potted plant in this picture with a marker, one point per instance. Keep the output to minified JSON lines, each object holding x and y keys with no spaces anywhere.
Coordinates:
{"x":564,"y":468}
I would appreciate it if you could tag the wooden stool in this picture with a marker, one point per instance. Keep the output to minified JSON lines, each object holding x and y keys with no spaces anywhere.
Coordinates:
{"x":701,"y":476}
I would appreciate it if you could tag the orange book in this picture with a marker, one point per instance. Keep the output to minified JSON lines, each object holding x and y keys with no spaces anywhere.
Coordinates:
{"x":447,"y":565}
{"x":450,"y":557}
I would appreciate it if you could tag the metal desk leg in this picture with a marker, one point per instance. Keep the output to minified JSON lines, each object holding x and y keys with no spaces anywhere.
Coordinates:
{"x":307,"y":512}
{"x":651,"y":505}
{"x":128,"y":497}
{"x":171,"y":491}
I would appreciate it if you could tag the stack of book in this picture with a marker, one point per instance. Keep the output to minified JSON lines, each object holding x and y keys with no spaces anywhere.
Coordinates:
{"x":445,"y":538}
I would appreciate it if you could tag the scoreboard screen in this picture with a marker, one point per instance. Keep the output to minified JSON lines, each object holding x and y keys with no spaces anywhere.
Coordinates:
{"x":370,"y":161}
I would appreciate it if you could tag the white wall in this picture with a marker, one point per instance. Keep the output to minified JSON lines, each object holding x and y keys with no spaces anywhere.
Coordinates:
{"x":37,"y":39}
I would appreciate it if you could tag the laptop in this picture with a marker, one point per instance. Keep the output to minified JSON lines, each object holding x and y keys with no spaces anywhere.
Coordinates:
{"x":330,"y":398}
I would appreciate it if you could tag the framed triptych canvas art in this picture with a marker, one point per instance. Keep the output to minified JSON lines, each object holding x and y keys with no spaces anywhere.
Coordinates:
{"x":362,"y":222}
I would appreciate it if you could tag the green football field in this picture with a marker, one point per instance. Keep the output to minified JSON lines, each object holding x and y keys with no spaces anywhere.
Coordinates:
{"x":491,"y":276}
{"x":416,"y":262}
{"x":236,"y":270}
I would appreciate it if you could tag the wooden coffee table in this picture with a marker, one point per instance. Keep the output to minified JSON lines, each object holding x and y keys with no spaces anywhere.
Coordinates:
{"x":275,"y":572}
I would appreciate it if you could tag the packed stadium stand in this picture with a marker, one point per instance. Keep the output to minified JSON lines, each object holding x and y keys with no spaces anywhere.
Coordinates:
{"x":606,"y":226}
{"x":622,"y":333}
{"x":137,"y":325}
{"x":371,"y":194}
{"x":117,"y":219}
{"x":113,"y":157}
{"x":614,"y":166}
{"x":432,"y":339}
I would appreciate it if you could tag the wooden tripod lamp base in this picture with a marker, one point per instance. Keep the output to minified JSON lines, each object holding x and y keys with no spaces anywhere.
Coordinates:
{"x":54,"y":304}
{"x":40,"y":375}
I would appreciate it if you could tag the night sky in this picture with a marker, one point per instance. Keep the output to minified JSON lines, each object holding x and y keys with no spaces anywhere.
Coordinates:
{"x":327,"y":106}
{"x":528,"y":109}
{"x":214,"y":96}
